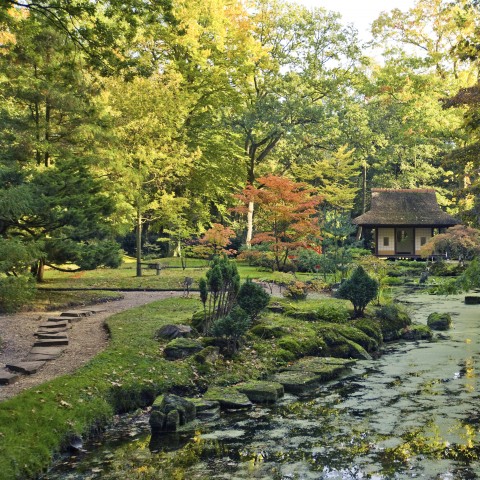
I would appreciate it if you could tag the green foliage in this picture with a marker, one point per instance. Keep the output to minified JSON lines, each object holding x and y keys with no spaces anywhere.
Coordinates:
{"x":252,"y":298}
{"x":15,"y":292}
{"x":308,"y":260}
{"x":232,"y":327}
{"x":360,"y":289}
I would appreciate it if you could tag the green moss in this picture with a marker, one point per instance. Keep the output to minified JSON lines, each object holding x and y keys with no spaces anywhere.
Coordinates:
{"x":392,"y":319}
{"x":370,"y":327}
{"x":439,"y":321}
{"x":291,"y":345}
{"x":264,"y":330}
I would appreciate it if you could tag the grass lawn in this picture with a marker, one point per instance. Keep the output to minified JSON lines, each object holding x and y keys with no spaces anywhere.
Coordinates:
{"x":51,"y":300}
{"x":125,"y":277}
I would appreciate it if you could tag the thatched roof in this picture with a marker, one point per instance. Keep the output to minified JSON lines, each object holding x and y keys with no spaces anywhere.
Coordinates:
{"x":405,"y":207}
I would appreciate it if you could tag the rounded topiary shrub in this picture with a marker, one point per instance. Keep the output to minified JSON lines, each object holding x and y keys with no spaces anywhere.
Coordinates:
{"x":360,"y":289}
{"x":439,"y":321}
{"x":252,"y":298}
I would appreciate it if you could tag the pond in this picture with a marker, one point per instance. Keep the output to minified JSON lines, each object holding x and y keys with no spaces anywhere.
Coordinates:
{"x":413,"y":413}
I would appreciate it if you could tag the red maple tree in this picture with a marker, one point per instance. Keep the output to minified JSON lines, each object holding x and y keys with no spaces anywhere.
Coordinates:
{"x":286,"y":214}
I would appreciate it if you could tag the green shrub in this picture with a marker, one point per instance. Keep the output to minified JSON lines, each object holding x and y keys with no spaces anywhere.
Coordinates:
{"x":232,"y":327}
{"x":309,"y":260}
{"x":360,"y":289}
{"x":393,"y":318}
{"x":15,"y":292}
{"x":252,"y":298}
{"x":296,"y":291}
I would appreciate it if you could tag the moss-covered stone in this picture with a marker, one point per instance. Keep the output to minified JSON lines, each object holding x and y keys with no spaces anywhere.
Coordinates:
{"x":182,"y":348}
{"x":207,"y":355}
{"x":261,"y":392}
{"x":392,"y":319}
{"x":326,"y":368}
{"x":370,"y":327}
{"x":228,"y":397}
{"x":206,"y":409}
{"x":417,"y":332}
{"x":291,"y":345}
{"x":297,"y":382}
{"x":169,"y":412}
{"x":472,"y":299}
{"x":263,"y":330}
{"x":439,"y":321}
{"x":337,"y":345}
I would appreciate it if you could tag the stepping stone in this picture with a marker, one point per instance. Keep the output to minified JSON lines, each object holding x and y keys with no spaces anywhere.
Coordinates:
{"x":54,"y":320}
{"x":325,"y":368}
{"x":98,"y":310}
{"x":52,"y":325}
{"x":50,"y":331}
{"x":7,"y":378}
{"x":76,"y":313}
{"x":297,"y":382}
{"x":27,"y":368}
{"x":51,"y":336}
{"x":38,"y":357}
{"x":44,"y":350}
{"x":261,"y":392}
{"x":53,"y":342}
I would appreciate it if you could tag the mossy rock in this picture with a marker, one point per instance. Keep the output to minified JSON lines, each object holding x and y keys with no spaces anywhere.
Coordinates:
{"x":261,"y":392}
{"x":276,"y":307}
{"x":169,"y":412}
{"x":291,"y":345}
{"x":297,"y":382}
{"x":182,"y":348}
{"x":337,"y":345}
{"x":472,"y":300}
{"x":370,"y":327}
{"x":228,"y":397}
{"x":284,"y":356}
{"x":198,"y":320}
{"x":207,"y":355}
{"x":206,"y":409}
{"x":358,"y":336}
{"x":326,"y":368}
{"x":392,"y":319}
{"x":439,"y":321}
{"x":263,"y":330}
{"x":417,"y":332}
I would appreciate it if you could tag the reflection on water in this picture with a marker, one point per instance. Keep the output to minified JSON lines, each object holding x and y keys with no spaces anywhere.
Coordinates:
{"x":413,"y":413}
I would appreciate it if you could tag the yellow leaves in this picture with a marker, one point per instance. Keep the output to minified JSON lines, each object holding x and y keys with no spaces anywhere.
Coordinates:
{"x":65,"y":404}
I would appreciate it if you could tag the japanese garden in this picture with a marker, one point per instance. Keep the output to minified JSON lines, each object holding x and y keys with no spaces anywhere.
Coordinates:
{"x":239,"y":241}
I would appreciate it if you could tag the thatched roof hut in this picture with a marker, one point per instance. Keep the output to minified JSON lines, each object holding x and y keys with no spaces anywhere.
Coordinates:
{"x":404,"y":220}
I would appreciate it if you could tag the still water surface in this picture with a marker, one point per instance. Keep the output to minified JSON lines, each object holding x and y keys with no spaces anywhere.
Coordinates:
{"x":413,"y":413}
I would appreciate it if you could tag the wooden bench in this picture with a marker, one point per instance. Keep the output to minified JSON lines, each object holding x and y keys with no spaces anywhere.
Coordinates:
{"x":153,"y":266}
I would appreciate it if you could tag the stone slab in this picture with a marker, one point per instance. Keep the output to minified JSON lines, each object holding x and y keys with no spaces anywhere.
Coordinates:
{"x":98,"y":310}
{"x":7,"y":378}
{"x":51,"y":335}
{"x":52,"y":342}
{"x":38,"y":357}
{"x":50,"y":331}
{"x":27,"y":368}
{"x":52,"y":325}
{"x":62,"y":319}
{"x":297,"y":382}
{"x":76,"y":313}
{"x":44,"y":350}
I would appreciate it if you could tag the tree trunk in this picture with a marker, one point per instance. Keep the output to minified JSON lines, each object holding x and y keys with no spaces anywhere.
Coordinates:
{"x":364,"y":197}
{"x":40,"y":270}
{"x":138,"y":242}
{"x":249,"y":225}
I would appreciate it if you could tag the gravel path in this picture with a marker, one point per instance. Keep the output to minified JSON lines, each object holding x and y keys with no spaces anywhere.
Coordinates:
{"x":86,"y":338}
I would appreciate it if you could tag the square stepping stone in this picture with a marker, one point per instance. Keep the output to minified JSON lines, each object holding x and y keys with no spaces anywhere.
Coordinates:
{"x":44,"y":350}
{"x":27,"y":368}
{"x":51,"y":335}
{"x":50,"y":331}
{"x":54,"y":325}
{"x":7,"y":378}
{"x":76,"y":313}
{"x":38,"y":357}
{"x":54,"y":320}
{"x":98,"y":310}
{"x":52,"y":342}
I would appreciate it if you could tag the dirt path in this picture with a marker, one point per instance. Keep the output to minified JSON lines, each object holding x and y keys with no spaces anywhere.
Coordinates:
{"x":86,"y":338}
